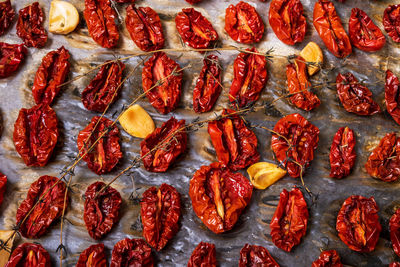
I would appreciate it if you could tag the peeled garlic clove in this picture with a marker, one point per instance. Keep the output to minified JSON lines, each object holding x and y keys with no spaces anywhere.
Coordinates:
{"x":63,"y":17}
{"x":312,"y":53}
{"x":137,"y":122}
{"x":264,"y":174}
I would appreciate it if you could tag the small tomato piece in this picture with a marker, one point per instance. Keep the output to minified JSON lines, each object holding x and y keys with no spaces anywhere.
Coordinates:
{"x":391,"y":22}
{"x":392,"y":95}
{"x":30,"y":26}
{"x":204,"y":255}
{"x":29,"y":254}
{"x":342,"y":155}
{"x":131,"y":252}
{"x":394,"y":227}
{"x":93,"y":256}
{"x":328,"y":258}
{"x":11,"y":58}
{"x":252,"y":255}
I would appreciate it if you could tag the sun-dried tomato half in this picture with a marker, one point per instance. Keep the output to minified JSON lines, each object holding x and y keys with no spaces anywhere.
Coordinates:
{"x":144,"y":27}
{"x":219,"y":196}
{"x":391,"y":22}
{"x":243,"y":24}
{"x":384,"y":161}
{"x":30,"y":26}
{"x":355,"y":97}
{"x":358,"y":223}
{"x":11,"y":57}
{"x":330,"y":29}
{"x":171,"y":140}
{"x":394,"y":264}
{"x":50,"y":74}
{"x":299,"y":86}
{"x":193,"y":1}
{"x":289,"y":223}
{"x":394,"y":227}
{"x":234,"y":143}
{"x":100,"y":19}
{"x":204,"y":255}
{"x":288,"y":21}
{"x":364,"y":34}
{"x":46,"y":211}
{"x":303,"y":140}
{"x":328,"y":258}
{"x":29,"y":254}
{"x":250,"y":76}
{"x":35,"y":134}
{"x":106,"y":153}
{"x":3,"y":183}
{"x":7,"y":14}
{"x":195,"y":30}
{"x":208,"y":86}
{"x":101,"y":210}
{"x":131,"y":252}
{"x":160,"y":211}
{"x":252,"y":255}
{"x":343,"y":155}
{"x":162,"y":82}
{"x":392,"y":97}
{"x":104,"y":88}
{"x":93,"y":256}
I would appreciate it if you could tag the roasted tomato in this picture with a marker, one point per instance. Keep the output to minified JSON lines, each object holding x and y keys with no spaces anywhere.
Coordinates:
{"x":193,"y":1}
{"x":219,"y":196}
{"x":208,"y":86}
{"x":250,"y":77}
{"x":104,"y":88}
{"x":394,"y":226}
{"x":93,"y":256}
{"x":328,"y":258}
{"x":299,"y":87}
{"x":364,"y":34}
{"x":395,"y":264}
{"x":106,"y":153}
{"x":171,"y":139}
{"x":35,"y":134}
{"x":46,"y":211}
{"x":330,"y":29}
{"x":252,"y":255}
{"x":3,"y":183}
{"x":30,"y":26}
{"x":343,"y":155}
{"x":195,"y":30}
{"x":392,"y":98}
{"x":50,"y":75}
{"x":287,"y":20}
{"x":384,"y":161}
{"x":100,"y":19}
{"x":203,"y":255}
{"x":28,"y":254}
{"x":7,"y":15}
{"x":243,"y":24}
{"x":391,"y":22}
{"x":11,"y":57}
{"x":303,"y":140}
{"x":162,"y":82}
{"x":355,"y":97}
{"x":144,"y":26}
{"x":131,"y":252}
{"x":160,"y":211}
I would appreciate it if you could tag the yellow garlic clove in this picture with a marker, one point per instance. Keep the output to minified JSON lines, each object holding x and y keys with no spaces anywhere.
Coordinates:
{"x":137,"y":122}
{"x":63,"y":17}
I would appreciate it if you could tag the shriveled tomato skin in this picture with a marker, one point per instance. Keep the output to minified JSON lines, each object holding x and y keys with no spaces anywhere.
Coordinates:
{"x":94,"y":256}
{"x":394,"y":264}
{"x":391,"y":22}
{"x":7,"y":15}
{"x":30,"y":26}
{"x":3,"y":183}
{"x":252,"y":255}
{"x":392,"y":97}
{"x":204,"y":255}
{"x":29,"y":254}
{"x":394,"y":227}
{"x":131,"y":252}
{"x":193,"y":1}
{"x":342,"y":155}
{"x":11,"y":58}
{"x":328,"y":258}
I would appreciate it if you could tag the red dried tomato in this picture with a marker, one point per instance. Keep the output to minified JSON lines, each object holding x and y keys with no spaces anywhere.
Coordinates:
{"x":11,"y":57}
{"x":101,"y":209}
{"x":50,"y":74}
{"x":219,"y":196}
{"x":343,"y":155}
{"x":171,"y":139}
{"x":193,"y":1}
{"x":252,"y":255}
{"x":250,"y":77}
{"x":204,"y":255}
{"x":243,"y":24}
{"x":384,"y":161}
{"x":330,"y":29}
{"x":394,"y":226}
{"x":391,"y":22}
{"x":100,"y":19}
{"x":104,"y":88}
{"x":131,"y":252}
{"x":287,"y":20}
{"x":160,"y":211}
{"x":299,"y":86}
{"x":144,"y":26}
{"x":364,"y":34}
{"x":303,"y":140}
{"x":46,"y":211}
{"x":29,"y":254}
{"x":234,"y":143}
{"x":355,"y":97}
{"x":289,"y":223}
{"x":358,"y":223}
{"x":195,"y":30}
{"x":93,"y":256}
{"x":35,"y":134}
{"x":124,"y":1}
{"x":208,"y":86}
{"x":392,"y":98}
{"x":7,"y":14}
{"x":3,"y":183}
{"x":30,"y":26}
{"x":162,"y":82}
{"x":328,"y":258}
{"x":395,"y":264}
